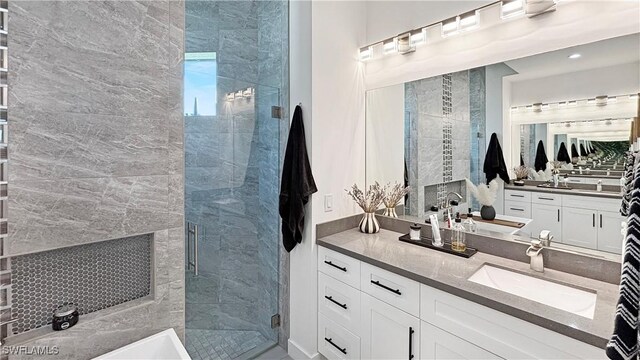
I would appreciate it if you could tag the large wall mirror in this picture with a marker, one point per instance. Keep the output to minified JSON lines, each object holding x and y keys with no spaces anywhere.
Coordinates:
{"x":563,"y":120}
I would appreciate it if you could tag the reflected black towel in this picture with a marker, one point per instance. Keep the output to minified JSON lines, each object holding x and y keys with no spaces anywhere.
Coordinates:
{"x":583,"y":152}
{"x":541,"y":158}
{"x":521,"y":160}
{"x":563,"y":154}
{"x":494,"y":164}
{"x":574,"y":151}
{"x":297,"y":183}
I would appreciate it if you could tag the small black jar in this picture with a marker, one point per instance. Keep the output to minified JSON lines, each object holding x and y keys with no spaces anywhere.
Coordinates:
{"x":65,"y":316}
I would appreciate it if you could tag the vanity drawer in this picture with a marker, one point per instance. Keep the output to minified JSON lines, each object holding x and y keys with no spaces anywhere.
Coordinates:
{"x":336,"y":342}
{"x":501,"y":334}
{"x":391,"y":288}
{"x":339,"y":266}
{"x":587,"y":202}
{"x":546,"y":199}
{"x":517,"y":208}
{"x":516,"y":195}
{"x":339,"y":302}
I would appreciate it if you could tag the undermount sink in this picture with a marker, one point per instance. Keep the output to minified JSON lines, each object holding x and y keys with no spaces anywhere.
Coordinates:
{"x":564,"y":297}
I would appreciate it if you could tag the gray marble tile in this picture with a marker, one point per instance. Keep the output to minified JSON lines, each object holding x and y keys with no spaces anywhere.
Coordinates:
{"x":47,"y":145}
{"x":49,"y":214}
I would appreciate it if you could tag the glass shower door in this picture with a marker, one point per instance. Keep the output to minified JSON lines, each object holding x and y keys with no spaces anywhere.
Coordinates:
{"x":232,"y":172}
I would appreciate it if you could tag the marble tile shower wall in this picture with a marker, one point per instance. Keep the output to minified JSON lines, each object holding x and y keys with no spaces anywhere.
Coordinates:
{"x":424,"y":104}
{"x":96,"y":147}
{"x":233,"y":166}
{"x":478,"y":113}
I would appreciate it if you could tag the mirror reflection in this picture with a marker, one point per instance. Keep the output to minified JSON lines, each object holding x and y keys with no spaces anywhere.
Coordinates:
{"x":524,"y":146}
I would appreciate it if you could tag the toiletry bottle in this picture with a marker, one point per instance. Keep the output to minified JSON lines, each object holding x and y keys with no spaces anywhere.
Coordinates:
{"x":458,"y":240}
{"x":599,"y":186}
{"x":469,"y":225}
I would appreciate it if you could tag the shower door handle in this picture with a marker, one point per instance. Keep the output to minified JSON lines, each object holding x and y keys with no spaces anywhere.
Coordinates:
{"x":192,"y":233}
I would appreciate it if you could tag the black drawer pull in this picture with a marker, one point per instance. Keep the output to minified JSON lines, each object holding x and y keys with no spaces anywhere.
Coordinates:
{"x":520,"y":196}
{"x":376,"y":282}
{"x":344,"y":351}
{"x":558,"y":215}
{"x":411,"y":343}
{"x":516,"y":209}
{"x":545,"y":198}
{"x":600,"y":221}
{"x":335,"y":266}
{"x":594,"y":220}
{"x":330,"y":298}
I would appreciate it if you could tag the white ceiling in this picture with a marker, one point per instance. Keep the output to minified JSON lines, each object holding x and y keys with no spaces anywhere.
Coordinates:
{"x":616,"y":51}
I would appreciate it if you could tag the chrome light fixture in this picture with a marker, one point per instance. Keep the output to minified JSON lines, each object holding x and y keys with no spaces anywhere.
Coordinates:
{"x":366,"y":53}
{"x":511,"y":8}
{"x":538,"y":7}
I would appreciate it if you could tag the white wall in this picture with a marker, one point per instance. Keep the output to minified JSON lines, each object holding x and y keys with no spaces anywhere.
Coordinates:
{"x":611,"y":80}
{"x":385,"y":135}
{"x":325,"y":72}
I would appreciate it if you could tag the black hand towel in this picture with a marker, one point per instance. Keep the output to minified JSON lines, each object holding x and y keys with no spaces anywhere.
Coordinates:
{"x":494,"y":164}
{"x":563,"y":154}
{"x":297,"y":183}
{"x":541,"y":157}
{"x":624,"y":341}
{"x":574,"y":151}
{"x":583,"y":152}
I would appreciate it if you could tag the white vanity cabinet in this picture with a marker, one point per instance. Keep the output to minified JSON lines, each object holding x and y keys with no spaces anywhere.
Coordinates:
{"x":585,"y":221}
{"x":546,"y":217}
{"x":388,"y":332}
{"x":437,"y":344}
{"x":389,"y":316}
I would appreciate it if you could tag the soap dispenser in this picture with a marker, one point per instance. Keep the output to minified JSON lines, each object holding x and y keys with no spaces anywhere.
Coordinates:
{"x":469,"y":225}
{"x":458,"y":240}
{"x":599,"y":186}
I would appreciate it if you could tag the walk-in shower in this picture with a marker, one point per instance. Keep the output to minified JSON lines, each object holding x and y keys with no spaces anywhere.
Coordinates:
{"x":235,"y":79}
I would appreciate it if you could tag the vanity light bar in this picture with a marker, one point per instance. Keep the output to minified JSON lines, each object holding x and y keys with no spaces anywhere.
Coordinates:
{"x":601,"y":100}
{"x":455,"y":25}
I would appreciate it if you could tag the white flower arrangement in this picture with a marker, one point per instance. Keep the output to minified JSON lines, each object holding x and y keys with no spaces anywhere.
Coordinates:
{"x":485,"y":194}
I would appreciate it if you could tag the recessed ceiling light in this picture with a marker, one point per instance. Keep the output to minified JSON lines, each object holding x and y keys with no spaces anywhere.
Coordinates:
{"x":574,"y":56}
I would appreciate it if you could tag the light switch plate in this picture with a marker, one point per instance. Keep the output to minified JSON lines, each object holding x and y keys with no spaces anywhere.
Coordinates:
{"x":328,"y":202}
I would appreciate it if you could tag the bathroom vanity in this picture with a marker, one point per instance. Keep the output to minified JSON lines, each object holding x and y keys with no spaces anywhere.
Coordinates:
{"x":587,"y":219}
{"x":379,"y":298}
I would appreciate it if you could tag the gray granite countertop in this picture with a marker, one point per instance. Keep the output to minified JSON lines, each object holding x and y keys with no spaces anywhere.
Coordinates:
{"x":450,"y":273}
{"x":560,"y":190}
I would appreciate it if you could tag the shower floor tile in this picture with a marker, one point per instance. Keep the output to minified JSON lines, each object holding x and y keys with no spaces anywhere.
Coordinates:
{"x":221,"y":344}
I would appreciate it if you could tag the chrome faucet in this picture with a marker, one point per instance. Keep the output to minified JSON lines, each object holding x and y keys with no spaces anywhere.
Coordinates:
{"x":449,"y":204}
{"x":535,"y":250}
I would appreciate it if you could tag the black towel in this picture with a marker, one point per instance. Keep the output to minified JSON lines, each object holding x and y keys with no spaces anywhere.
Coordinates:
{"x":541,"y":158}
{"x":494,"y":164}
{"x":624,"y":341}
{"x":574,"y":151}
{"x":563,"y":154}
{"x":297,"y":183}
{"x":521,"y":160}
{"x":583,"y":152}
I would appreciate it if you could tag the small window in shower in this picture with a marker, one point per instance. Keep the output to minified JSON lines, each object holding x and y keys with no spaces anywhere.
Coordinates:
{"x":200,"y":85}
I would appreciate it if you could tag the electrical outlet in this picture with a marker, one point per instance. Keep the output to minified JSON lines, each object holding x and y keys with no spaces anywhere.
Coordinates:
{"x":328,"y":202}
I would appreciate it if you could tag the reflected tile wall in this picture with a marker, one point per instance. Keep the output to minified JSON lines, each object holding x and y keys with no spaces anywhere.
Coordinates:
{"x":424,"y":120}
{"x":477,"y":104}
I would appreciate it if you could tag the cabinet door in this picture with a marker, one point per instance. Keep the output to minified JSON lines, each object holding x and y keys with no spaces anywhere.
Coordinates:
{"x":546,"y":217}
{"x":388,"y":332}
{"x":436,"y":344}
{"x":579,"y":227}
{"x":609,"y":236}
